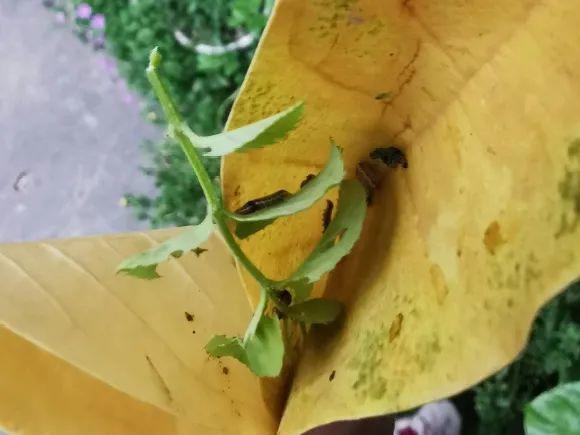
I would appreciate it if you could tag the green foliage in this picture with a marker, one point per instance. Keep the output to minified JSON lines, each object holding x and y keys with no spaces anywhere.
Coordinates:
{"x":330,"y":176}
{"x":262,"y":348}
{"x":337,"y":240}
{"x":180,"y":199}
{"x":203,"y":85}
{"x":256,"y":135}
{"x":552,"y":357}
{"x":555,"y":412}
{"x":144,"y":264}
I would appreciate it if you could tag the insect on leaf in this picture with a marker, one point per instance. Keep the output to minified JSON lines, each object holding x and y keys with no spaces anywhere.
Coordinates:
{"x":144,"y":264}
{"x":555,"y":412}
{"x":315,"y":311}
{"x":330,"y":176}
{"x":346,"y":227}
{"x":257,"y":135}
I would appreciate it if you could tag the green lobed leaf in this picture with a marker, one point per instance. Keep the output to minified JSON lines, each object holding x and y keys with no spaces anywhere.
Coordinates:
{"x":261,"y":350}
{"x":265,"y":348}
{"x":330,"y":176}
{"x":555,"y":412}
{"x":338,"y":239}
{"x":220,"y":345}
{"x":144,"y":264}
{"x":257,"y":135}
{"x":315,"y":311}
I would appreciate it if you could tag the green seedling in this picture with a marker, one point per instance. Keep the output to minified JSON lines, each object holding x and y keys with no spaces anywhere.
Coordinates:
{"x":262,"y":346}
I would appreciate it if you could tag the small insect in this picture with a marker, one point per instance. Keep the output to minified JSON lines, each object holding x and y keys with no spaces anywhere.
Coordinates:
{"x":257,"y":204}
{"x":327,"y":214}
{"x":199,"y":251}
{"x":307,"y":180}
{"x":393,"y":157}
{"x":285,"y":297}
{"x":189,"y":317}
{"x":332,"y":375}
{"x":370,"y":177}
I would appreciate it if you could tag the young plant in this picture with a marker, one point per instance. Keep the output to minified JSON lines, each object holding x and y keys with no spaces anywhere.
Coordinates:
{"x":262,"y":346}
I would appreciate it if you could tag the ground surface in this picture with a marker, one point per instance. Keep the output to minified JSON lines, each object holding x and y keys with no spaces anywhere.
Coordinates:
{"x":69,"y":142}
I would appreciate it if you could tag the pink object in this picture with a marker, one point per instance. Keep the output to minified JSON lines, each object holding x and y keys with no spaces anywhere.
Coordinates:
{"x":84,"y":11}
{"x":98,"y":22}
{"x":437,"y":418}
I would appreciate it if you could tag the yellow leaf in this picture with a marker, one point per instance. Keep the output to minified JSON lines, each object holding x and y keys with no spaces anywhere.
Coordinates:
{"x":42,"y":394}
{"x":132,"y":335}
{"x":461,"y":249}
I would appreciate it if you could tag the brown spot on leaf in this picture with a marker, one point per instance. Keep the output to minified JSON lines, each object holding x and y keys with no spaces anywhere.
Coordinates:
{"x":225,"y":370}
{"x":199,"y":251}
{"x":395,"y":328}
{"x":382,"y":96}
{"x":492,"y":237}
{"x":569,"y":189}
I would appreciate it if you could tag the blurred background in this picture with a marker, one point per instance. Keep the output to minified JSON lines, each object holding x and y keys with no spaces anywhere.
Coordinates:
{"x":83,"y":146}
{"x":83,"y":149}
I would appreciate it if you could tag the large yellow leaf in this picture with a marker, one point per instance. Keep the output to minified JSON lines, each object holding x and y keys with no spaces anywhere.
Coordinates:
{"x":460,"y":250}
{"x":42,"y":394}
{"x":133,"y":335}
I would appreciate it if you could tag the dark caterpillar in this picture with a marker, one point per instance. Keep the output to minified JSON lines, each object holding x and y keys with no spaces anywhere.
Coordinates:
{"x":393,"y":157}
{"x":307,"y":180}
{"x":327,"y":215}
{"x":254,"y":205}
{"x":285,"y":298}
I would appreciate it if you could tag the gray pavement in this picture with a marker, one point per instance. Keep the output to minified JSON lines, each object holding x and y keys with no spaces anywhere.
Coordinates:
{"x":69,"y":143}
